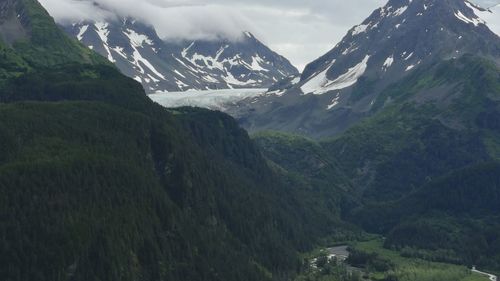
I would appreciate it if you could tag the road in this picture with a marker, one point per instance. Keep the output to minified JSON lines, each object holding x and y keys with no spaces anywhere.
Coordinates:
{"x":491,"y":276}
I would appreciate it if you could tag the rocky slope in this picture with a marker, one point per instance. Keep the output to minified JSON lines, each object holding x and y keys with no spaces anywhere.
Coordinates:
{"x":97,"y":182}
{"x":341,"y":88}
{"x":162,"y":65}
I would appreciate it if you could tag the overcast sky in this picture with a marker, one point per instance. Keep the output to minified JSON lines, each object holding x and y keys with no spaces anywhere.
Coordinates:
{"x":301,"y":30}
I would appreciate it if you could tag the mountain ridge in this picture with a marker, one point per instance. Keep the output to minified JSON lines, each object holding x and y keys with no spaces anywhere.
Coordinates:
{"x":341,"y":88}
{"x":100,"y":183}
{"x":423,"y":169}
{"x":97,"y":182}
{"x":162,"y":65}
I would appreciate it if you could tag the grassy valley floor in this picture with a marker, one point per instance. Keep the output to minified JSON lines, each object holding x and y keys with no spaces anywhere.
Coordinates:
{"x":369,"y":260}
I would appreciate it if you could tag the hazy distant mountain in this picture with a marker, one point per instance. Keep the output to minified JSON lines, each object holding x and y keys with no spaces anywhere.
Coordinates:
{"x":179,"y":66}
{"x":97,"y":182}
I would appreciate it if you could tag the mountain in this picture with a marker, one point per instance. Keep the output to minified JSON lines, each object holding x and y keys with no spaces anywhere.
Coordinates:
{"x":397,"y":38}
{"x":97,"y":182}
{"x":420,"y":147}
{"x":344,"y":86}
{"x":26,"y":26}
{"x":423,"y":170}
{"x":162,"y":65}
{"x":249,"y":62}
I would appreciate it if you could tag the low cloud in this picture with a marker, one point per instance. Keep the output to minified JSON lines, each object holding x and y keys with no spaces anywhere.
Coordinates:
{"x":172,"y":19}
{"x":298,"y":29}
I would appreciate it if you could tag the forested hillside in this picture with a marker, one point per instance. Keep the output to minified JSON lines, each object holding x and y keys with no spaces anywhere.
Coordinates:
{"x":99,"y":183}
{"x":88,"y":188}
{"x":424,"y":170}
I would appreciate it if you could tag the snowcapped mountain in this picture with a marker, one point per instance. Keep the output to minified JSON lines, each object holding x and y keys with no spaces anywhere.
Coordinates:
{"x":243,"y":64}
{"x":341,"y":87}
{"x":397,"y":38}
{"x":138,"y":52}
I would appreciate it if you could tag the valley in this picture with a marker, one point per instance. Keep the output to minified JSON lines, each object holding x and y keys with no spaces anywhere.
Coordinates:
{"x":369,"y":260}
{"x":126,"y":156}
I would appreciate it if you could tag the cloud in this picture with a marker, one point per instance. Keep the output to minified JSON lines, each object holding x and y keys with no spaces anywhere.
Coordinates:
{"x":301,"y":30}
{"x":487,"y":3}
{"x":72,"y":10}
{"x":200,"y":22}
{"x":172,"y":19}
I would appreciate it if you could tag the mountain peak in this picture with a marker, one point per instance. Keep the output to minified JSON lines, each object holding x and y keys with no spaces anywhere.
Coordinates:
{"x":421,"y":10}
{"x":162,"y":65}
{"x":248,"y":34}
{"x":411,"y":32}
{"x":392,"y":44}
{"x":425,"y":12}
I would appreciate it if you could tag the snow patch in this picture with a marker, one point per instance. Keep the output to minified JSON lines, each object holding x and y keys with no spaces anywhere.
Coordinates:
{"x":152,"y":78}
{"x":277,"y":93}
{"x":185,"y":50}
{"x":335,"y":102}
{"x":138,"y":59}
{"x":317,"y":81}
{"x":320,"y":84}
{"x":137,"y":40}
{"x":192,"y":69}
{"x":181,"y":84}
{"x":256,"y":64}
{"x":399,"y":11}
{"x":178,"y":73}
{"x":349,"y":50}
{"x":359,"y":29}
{"x":487,"y":16}
{"x":119,"y":51}
{"x":410,"y":67}
{"x":82,"y":31}
{"x":388,"y":62}
{"x":474,"y":21}
{"x":205,"y":61}
{"x":231,"y":80}
{"x":103,"y":32}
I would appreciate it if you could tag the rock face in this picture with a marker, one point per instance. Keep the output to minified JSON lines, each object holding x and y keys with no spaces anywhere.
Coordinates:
{"x":242,"y":64}
{"x":159,"y":65}
{"x":12,"y":22}
{"x":401,"y":36}
{"x":341,"y":87}
{"x":29,"y":37}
